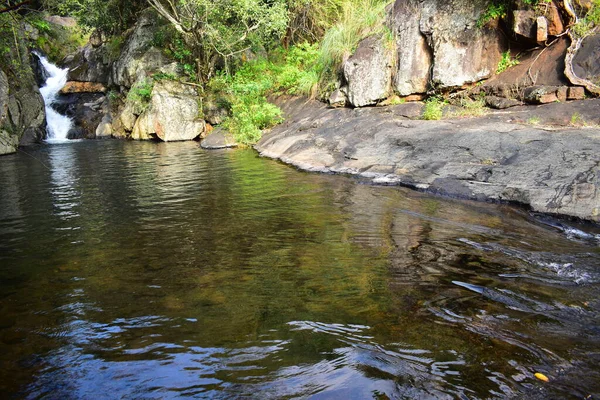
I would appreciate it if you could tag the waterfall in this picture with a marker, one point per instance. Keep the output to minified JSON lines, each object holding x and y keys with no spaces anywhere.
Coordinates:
{"x":58,"y":125}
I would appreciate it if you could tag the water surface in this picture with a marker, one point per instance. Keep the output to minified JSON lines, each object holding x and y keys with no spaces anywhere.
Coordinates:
{"x":143,"y":270}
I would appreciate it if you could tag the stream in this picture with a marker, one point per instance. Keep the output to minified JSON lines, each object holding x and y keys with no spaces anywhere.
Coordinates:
{"x":152,"y":270}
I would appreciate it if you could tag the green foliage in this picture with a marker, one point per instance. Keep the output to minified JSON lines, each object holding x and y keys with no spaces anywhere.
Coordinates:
{"x":506,"y":62}
{"x":496,"y":9}
{"x":589,"y":22}
{"x":114,"y":47}
{"x":108,"y":16}
{"x":140,"y":94}
{"x":357,"y":20}
{"x":471,"y":107}
{"x":214,"y":32}
{"x":433,"y":108}
{"x":291,"y":71}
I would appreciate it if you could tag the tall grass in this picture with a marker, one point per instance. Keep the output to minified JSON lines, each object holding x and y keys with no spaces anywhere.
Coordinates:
{"x":357,"y":19}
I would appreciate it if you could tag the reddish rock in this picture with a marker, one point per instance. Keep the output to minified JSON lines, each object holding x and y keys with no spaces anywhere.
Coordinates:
{"x":83,"y":87}
{"x":555,"y":23}
{"x":561,"y":93}
{"x":540,"y":94}
{"x":576,"y":93}
{"x":415,"y":97}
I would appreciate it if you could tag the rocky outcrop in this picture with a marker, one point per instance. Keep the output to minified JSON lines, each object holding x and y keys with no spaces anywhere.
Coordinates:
{"x":91,"y":64}
{"x":173,"y":114}
{"x":414,"y":56}
{"x":368,"y":73}
{"x":462,"y":51}
{"x":218,"y":139}
{"x":22,"y":113}
{"x":489,"y":158}
{"x":439,"y":44}
{"x":138,"y":58}
{"x":583,"y":63}
{"x":83,"y":87}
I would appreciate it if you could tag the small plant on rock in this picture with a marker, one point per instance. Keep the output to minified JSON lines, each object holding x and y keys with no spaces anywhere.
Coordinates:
{"x":433,"y":109}
{"x":506,"y":62}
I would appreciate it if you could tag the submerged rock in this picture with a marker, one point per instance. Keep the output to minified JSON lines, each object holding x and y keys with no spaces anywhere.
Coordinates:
{"x":218,"y":139}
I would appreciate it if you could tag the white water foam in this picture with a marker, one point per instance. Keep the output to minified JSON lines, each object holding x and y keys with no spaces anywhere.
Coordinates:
{"x":58,"y":125}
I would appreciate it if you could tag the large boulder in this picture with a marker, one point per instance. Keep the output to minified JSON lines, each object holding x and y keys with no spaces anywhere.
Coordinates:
{"x":90,"y":64}
{"x":414,"y":56}
{"x":583,"y":63}
{"x":173,"y":114}
{"x":368,"y":73}
{"x":138,"y":58}
{"x":22,"y":111}
{"x":463,"y":52}
{"x":440,"y":44}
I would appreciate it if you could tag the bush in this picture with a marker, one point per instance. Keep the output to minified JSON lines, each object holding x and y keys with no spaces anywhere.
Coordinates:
{"x":357,"y":20}
{"x":433,"y":109}
{"x":291,"y":71}
{"x":140,"y":95}
{"x":506,"y":62}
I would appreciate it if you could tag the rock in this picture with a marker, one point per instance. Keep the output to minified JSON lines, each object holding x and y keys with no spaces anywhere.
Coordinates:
{"x":576,"y":93}
{"x":218,"y":139}
{"x":85,"y":109}
{"x":31,"y":33}
{"x":561,"y":93}
{"x":138,"y":58}
{"x":368,"y":73}
{"x":173,"y":114}
{"x":77,"y":132}
{"x":104,"y":129}
{"x":215,"y":110}
{"x":484,"y":158}
{"x":540,"y":67}
{"x":540,"y":94}
{"x":22,"y":111}
{"x":414,"y":56}
{"x":128,"y":117}
{"x":410,"y":110}
{"x":8,"y":143}
{"x":501,"y":103}
{"x":143,"y":128}
{"x":337,"y":99}
{"x":555,"y":23}
{"x":90,"y":64}
{"x":414,"y":97}
{"x":462,"y":52}
{"x":96,"y":39}
{"x":541,"y":31}
{"x":583,"y":63}
{"x":83,"y":87}
{"x":524,"y":23}
{"x":68,"y":22}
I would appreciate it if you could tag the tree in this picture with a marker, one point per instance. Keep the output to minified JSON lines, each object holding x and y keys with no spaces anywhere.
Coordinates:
{"x":219,"y":30}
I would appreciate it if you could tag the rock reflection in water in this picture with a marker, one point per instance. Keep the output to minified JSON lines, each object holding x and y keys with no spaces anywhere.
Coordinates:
{"x":185,"y":273}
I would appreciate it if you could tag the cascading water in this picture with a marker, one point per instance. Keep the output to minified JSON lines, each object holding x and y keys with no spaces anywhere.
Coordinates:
{"x":58,"y":125}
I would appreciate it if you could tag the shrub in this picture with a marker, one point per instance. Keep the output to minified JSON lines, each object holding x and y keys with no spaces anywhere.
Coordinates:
{"x":433,"y":108}
{"x":506,"y":62}
{"x":140,"y":95}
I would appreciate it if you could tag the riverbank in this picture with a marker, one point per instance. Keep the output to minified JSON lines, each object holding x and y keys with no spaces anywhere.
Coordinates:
{"x":545,"y":157}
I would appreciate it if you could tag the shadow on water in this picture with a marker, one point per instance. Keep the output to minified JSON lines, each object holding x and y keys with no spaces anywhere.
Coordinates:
{"x":142,"y":270}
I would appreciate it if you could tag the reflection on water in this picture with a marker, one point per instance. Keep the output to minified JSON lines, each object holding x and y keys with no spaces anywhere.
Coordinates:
{"x":143,"y":270}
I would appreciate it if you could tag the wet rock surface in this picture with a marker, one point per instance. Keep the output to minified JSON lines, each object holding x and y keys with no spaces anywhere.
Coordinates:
{"x":501,"y":156}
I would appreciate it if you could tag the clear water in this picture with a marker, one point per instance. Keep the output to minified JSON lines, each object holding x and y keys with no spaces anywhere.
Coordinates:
{"x":143,"y":270}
